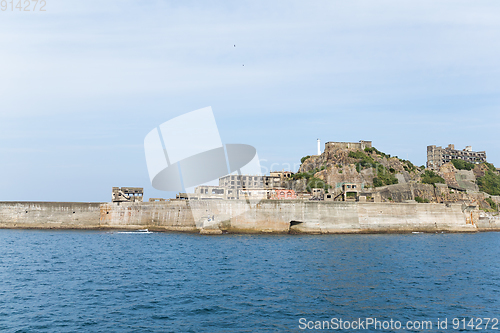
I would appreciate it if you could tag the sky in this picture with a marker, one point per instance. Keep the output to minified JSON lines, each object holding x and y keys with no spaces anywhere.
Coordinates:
{"x":82,"y":83}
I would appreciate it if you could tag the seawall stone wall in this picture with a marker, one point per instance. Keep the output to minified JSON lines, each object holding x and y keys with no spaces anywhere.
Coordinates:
{"x":238,"y":216}
{"x":50,"y":215}
{"x":166,"y":215}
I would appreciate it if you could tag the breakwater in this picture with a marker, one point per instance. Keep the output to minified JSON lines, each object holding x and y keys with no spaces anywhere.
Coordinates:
{"x":49,"y":215}
{"x":237,"y":216}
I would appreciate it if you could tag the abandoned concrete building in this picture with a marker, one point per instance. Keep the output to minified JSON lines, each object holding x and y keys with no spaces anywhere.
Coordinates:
{"x":241,"y":181}
{"x":437,"y":156}
{"x":233,"y":187}
{"x":127,"y":194}
{"x":361,"y":145}
{"x":283,"y":194}
{"x":317,"y":194}
{"x":351,"y":191}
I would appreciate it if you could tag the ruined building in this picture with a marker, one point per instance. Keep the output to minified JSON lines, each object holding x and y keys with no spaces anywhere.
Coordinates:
{"x":241,"y":186}
{"x":361,"y":145}
{"x":127,"y":194}
{"x":437,"y":156}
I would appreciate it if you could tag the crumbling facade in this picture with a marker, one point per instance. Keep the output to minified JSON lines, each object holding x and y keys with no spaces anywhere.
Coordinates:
{"x":361,"y":145}
{"x":283,"y":194}
{"x":437,"y":156}
{"x":233,"y":187}
{"x":127,"y":194}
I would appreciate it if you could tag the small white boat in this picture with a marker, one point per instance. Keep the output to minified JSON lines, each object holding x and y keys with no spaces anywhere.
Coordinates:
{"x":140,"y":231}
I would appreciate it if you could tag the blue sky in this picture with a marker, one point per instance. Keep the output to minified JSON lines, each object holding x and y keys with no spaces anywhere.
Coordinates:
{"x":83,"y":83}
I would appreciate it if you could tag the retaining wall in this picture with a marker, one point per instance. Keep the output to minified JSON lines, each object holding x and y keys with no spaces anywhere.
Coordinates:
{"x":50,"y":215}
{"x":239,"y":217}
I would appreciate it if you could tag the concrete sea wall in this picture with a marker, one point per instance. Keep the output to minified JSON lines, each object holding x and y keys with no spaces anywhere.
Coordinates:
{"x":49,"y":215}
{"x":167,"y":215}
{"x":489,"y":223}
{"x":237,"y":216}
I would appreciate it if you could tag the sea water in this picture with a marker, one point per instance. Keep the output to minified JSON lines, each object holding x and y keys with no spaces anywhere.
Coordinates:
{"x":74,"y":281}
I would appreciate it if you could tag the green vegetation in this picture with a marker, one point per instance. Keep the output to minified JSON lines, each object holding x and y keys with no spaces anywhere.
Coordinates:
{"x":377,"y":182}
{"x":384,"y":176}
{"x":359,"y":155}
{"x":305,"y":175}
{"x":314,"y":182}
{"x":463,"y":165}
{"x":421,"y":200}
{"x":364,"y":161}
{"x":408,"y":166}
{"x":369,"y":150}
{"x":490,"y":182}
{"x":492,"y":203}
{"x":350,"y":195}
{"x":304,"y":158}
{"x":378,"y":152}
{"x":430,"y":177}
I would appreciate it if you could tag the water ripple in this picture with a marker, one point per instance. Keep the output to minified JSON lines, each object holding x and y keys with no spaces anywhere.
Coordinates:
{"x":107,"y":282}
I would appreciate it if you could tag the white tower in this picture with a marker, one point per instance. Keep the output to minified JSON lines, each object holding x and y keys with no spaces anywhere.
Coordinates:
{"x":319,"y":148}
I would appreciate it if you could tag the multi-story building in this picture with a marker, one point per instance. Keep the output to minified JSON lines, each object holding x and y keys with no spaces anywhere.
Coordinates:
{"x":241,"y":181}
{"x":277,"y":179}
{"x":242,"y":186}
{"x":437,"y":156}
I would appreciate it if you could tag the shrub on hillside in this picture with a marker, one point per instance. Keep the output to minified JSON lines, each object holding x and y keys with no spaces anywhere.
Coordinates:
{"x":378,"y":152}
{"x":314,"y":182}
{"x":421,"y":200}
{"x":462,"y":165}
{"x":490,"y":182}
{"x":492,"y":203}
{"x":430,"y":177}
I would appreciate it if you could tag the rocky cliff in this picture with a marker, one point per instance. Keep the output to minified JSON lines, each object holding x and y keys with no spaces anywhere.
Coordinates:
{"x":392,"y":179}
